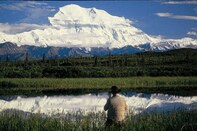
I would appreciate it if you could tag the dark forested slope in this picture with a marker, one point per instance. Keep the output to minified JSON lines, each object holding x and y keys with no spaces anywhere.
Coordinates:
{"x":180,"y":62}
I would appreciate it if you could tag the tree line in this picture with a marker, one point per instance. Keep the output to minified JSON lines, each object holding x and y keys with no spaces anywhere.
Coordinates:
{"x":182,"y":62}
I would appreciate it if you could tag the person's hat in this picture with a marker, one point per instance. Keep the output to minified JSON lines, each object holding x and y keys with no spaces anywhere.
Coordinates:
{"x":115,"y":89}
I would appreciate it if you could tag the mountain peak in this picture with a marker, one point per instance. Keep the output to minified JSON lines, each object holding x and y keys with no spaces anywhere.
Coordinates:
{"x":75,"y":26}
{"x":92,"y":11}
{"x":71,"y":14}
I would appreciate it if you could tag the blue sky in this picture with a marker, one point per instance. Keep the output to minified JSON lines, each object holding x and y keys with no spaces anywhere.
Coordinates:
{"x":166,"y":19}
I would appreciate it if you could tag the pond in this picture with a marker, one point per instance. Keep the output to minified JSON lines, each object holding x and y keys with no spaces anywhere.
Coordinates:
{"x":137,"y":102}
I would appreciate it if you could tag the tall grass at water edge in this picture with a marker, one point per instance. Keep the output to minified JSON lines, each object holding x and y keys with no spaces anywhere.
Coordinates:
{"x":39,"y":86}
{"x":78,"y":121}
{"x":126,"y":82}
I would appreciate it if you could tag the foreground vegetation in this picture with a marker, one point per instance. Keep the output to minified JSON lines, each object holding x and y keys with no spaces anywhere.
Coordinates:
{"x":182,"y":85}
{"x":182,"y":62}
{"x":163,"y":121}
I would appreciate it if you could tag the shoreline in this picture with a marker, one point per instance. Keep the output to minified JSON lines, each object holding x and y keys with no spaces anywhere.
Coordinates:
{"x":184,"y":86}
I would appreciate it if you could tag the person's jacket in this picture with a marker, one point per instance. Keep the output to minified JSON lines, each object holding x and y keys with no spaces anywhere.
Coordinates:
{"x":116,"y":107}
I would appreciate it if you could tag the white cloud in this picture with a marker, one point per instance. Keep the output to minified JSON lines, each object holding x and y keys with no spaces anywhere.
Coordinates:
{"x":19,"y":28}
{"x":184,"y":17}
{"x":194,"y":28}
{"x":36,"y":12}
{"x":172,"y":16}
{"x":192,"y":33}
{"x":180,"y":2}
{"x":164,"y":14}
{"x":20,"y":6}
{"x":195,"y":9}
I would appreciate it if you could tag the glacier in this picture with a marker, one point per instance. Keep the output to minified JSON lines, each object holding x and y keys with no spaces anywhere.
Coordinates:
{"x":75,"y":26}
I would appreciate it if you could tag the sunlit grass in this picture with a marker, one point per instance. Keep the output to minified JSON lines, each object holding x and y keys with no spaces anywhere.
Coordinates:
{"x":128,"y":82}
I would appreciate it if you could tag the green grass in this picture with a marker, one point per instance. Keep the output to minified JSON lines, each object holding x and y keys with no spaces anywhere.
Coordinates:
{"x":174,"y":120}
{"x":127,"y":82}
{"x":40,"y":85}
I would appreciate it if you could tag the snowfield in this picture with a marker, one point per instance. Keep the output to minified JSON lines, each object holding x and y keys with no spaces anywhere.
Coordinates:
{"x":75,"y":26}
{"x":94,"y":103}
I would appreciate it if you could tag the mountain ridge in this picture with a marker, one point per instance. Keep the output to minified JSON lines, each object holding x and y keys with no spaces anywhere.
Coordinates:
{"x":12,"y":52}
{"x":85,"y":32}
{"x":91,"y":27}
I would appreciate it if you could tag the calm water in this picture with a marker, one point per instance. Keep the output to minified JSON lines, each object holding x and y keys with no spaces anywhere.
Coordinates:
{"x":137,"y":102}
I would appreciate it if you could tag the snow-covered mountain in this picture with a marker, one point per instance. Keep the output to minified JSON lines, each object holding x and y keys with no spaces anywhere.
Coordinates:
{"x":75,"y":26}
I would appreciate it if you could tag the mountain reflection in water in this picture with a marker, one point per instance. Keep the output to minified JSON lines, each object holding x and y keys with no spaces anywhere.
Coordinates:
{"x":138,"y":102}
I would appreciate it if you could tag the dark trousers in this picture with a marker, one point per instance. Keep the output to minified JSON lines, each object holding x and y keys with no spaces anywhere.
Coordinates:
{"x":111,"y":123}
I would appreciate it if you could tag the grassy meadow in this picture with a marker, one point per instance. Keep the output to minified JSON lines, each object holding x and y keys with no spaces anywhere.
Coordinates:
{"x":172,"y":72}
{"x":152,"y":121}
{"x":83,"y":85}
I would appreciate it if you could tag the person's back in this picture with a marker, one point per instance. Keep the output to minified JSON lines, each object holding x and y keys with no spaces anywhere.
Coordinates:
{"x":116,"y":107}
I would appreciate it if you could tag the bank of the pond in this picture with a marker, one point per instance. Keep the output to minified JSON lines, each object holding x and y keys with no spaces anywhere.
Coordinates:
{"x":174,"y":120}
{"x":170,"y":85}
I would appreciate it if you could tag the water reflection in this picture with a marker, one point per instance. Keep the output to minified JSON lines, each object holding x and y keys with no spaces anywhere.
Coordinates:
{"x":138,"y":102}
{"x":126,"y":94}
